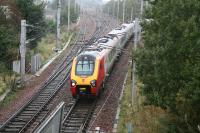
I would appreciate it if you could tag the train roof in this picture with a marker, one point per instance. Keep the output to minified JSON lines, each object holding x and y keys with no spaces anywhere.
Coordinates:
{"x":121,"y":29}
{"x":103,"y":45}
{"x":92,"y":51}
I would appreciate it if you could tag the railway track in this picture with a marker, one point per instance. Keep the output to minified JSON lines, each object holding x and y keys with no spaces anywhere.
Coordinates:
{"x":78,"y":117}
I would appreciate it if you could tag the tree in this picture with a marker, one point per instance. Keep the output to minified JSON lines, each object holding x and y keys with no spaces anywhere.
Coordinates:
{"x":34,"y":15}
{"x":168,"y":64}
{"x":11,"y":13}
{"x":9,"y":19}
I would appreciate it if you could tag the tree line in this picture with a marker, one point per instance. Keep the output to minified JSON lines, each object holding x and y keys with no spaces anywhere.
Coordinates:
{"x":169,"y":62}
{"x":11,"y":13}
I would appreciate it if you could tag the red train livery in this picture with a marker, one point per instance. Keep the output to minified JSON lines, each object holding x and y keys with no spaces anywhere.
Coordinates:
{"x":91,"y":67}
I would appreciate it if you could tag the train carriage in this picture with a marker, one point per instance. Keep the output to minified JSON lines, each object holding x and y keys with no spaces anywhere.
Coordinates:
{"x":93,"y":65}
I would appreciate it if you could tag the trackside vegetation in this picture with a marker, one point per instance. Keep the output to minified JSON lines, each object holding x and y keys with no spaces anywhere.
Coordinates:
{"x":40,"y":31}
{"x":169,"y":63}
{"x":143,"y":119}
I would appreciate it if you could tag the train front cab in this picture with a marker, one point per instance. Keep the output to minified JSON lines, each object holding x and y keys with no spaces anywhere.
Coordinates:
{"x":87,"y":74}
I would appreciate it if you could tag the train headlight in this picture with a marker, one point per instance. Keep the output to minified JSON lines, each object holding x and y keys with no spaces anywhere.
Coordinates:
{"x":93,"y":83}
{"x":73,"y":83}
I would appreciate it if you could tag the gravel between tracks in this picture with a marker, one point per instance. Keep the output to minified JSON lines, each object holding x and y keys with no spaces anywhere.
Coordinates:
{"x":104,"y":115}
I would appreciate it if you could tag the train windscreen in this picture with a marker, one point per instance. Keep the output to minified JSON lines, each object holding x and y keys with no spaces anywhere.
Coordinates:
{"x":85,"y":65}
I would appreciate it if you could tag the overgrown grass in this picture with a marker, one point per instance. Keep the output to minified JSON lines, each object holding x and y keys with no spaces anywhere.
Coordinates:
{"x":2,"y":86}
{"x":12,"y":94}
{"x":8,"y":82}
{"x":144,"y":119}
{"x":8,"y":98}
{"x":45,"y":47}
{"x":47,"y":44}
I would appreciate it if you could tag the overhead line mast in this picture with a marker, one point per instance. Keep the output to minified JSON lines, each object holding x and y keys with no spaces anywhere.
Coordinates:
{"x":58,"y":26}
{"x":68,"y":14}
{"x":124,"y":4}
{"x":23,"y":50}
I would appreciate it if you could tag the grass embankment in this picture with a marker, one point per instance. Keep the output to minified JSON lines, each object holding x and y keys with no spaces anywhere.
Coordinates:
{"x":6,"y":83}
{"x":2,"y":86}
{"x":10,"y":97}
{"x":47,"y":44}
{"x":144,"y":119}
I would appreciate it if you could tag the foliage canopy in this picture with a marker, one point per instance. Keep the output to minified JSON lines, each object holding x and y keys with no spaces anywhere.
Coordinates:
{"x":169,"y":63}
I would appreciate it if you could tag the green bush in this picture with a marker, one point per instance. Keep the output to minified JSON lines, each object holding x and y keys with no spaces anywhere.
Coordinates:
{"x":169,"y":63}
